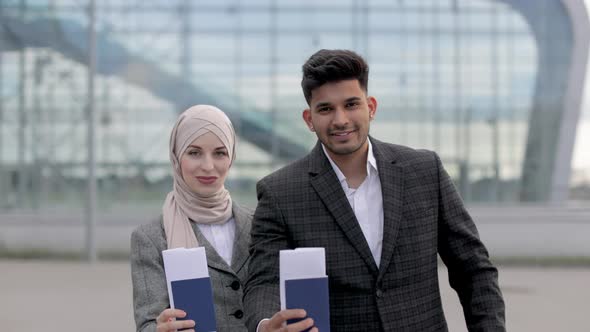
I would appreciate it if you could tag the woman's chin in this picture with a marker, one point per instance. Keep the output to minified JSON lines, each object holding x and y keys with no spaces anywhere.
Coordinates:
{"x":205,"y":190}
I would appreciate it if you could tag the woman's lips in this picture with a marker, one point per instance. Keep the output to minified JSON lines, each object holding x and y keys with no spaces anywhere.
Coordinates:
{"x":206,"y":179}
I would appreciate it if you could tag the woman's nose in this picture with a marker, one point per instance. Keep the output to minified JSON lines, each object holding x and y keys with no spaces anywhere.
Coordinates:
{"x":207,"y":163}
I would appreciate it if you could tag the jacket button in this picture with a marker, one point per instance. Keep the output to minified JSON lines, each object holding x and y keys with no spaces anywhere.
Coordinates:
{"x":238,"y":314}
{"x":235,"y":285}
{"x":379,"y":293}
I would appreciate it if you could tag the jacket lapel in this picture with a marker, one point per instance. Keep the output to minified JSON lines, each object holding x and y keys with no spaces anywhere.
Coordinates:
{"x":326,"y":184}
{"x":242,"y":237}
{"x":391,"y":178}
{"x":213,"y":259}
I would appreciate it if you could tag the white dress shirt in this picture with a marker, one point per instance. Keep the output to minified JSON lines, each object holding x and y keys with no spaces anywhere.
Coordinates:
{"x":366,"y":202}
{"x":221,"y":237}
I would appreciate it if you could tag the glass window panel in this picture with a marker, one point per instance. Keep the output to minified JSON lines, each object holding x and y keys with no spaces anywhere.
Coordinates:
{"x":203,"y":21}
{"x":254,"y":20}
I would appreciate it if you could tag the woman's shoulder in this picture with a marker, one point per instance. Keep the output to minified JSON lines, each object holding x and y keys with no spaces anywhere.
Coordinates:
{"x":242,"y":213}
{"x":242,"y":209}
{"x":153,"y":230}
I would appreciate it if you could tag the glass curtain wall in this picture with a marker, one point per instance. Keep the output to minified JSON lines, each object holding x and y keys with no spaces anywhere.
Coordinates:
{"x":457,"y":77}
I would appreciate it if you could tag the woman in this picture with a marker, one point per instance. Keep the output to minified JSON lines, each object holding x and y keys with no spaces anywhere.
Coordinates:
{"x":197,"y":212}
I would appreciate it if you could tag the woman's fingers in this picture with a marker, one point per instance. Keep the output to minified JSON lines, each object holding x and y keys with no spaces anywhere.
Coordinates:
{"x":167,"y":314}
{"x":167,"y":321}
{"x":176,"y":325}
{"x":184,"y":324}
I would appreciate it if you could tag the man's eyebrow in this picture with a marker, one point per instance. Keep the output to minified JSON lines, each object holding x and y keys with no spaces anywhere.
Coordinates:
{"x":353,"y":99}
{"x":322,"y":104}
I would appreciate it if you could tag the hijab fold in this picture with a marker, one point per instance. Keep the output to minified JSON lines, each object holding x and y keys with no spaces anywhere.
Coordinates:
{"x":182,"y":204}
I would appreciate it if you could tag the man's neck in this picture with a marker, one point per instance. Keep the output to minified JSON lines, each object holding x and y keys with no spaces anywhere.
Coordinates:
{"x":353,"y":165}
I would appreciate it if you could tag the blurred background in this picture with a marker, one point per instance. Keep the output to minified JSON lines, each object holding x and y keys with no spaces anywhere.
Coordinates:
{"x":89,"y":91}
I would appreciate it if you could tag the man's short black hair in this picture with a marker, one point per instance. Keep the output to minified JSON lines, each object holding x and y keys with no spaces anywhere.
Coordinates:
{"x":332,"y":66}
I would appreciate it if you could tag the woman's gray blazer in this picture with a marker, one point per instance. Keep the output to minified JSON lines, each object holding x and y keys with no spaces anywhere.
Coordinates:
{"x":150,"y":295}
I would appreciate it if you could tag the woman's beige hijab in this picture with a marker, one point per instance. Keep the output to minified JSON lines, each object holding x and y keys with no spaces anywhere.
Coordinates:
{"x":182,"y":203}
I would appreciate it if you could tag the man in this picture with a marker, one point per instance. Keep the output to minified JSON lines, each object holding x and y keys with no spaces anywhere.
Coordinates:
{"x":382,"y":212}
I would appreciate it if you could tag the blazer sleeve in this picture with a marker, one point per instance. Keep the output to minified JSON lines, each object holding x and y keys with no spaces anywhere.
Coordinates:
{"x":268,"y":236}
{"x":471,"y":274}
{"x":150,"y":293}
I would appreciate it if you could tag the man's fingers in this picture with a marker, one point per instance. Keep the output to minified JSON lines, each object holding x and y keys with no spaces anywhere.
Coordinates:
{"x":277,"y":321}
{"x":300,"y":326}
{"x":282,"y":316}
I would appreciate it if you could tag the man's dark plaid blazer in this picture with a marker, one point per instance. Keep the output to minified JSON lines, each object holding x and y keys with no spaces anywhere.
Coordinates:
{"x":303,"y":205}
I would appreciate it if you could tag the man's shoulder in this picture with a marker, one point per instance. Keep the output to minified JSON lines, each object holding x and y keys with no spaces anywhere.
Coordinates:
{"x":404,"y":155}
{"x":290,"y":173}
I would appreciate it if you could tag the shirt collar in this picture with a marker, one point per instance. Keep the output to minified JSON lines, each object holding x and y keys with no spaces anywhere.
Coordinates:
{"x":371,"y":163}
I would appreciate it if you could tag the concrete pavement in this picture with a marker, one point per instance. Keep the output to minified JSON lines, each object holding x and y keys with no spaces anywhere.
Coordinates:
{"x":54,"y":296}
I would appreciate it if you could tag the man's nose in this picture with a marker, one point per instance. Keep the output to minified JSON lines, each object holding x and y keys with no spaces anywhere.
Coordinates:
{"x":340,"y":117}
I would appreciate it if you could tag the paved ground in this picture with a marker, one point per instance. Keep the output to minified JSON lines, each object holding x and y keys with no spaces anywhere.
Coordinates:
{"x":54,"y":296}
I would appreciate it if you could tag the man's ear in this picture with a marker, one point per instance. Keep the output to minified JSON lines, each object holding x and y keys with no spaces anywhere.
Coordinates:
{"x":372,"y":103}
{"x":306,"y":115}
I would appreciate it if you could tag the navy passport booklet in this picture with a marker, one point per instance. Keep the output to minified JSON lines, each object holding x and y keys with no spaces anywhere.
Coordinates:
{"x":311,"y":294}
{"x":195,"y":297}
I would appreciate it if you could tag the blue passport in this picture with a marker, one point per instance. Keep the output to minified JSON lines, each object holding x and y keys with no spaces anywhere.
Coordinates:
{"x":312,"y":295}
{"x":195,"y":297}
